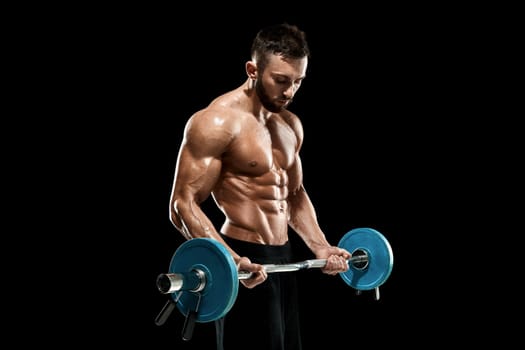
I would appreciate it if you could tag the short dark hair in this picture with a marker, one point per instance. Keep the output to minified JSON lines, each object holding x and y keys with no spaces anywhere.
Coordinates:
{"x":282,"y":39}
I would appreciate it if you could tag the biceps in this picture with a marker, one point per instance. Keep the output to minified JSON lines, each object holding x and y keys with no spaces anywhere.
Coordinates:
{"x":196,"y":177}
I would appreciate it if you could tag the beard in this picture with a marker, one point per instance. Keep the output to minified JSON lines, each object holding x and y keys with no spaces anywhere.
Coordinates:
{"x":266,"y":100}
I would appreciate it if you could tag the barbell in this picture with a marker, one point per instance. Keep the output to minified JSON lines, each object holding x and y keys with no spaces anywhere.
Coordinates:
{"x":203,"y":279}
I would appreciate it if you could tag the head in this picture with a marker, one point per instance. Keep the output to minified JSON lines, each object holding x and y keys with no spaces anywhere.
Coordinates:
{"x":279,"y":58}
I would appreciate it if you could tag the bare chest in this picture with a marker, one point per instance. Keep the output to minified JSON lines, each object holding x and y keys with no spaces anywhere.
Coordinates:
{"x":260,"y":147}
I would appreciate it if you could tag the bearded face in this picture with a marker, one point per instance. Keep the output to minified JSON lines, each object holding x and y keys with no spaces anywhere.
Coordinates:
{"x":274,"y":104}
{"x":278,"y":80}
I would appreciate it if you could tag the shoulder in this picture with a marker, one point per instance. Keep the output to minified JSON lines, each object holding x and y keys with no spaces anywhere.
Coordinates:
{"x":213,"y":124}
{"x":221,"y":113}
{"x":214,"y":116}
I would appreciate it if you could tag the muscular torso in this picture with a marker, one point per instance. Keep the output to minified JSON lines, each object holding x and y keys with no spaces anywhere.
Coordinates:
{"x":252,"y":189}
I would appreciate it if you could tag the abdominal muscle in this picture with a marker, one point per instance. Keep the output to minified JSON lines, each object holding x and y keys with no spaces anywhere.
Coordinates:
{"x":256,"y":209}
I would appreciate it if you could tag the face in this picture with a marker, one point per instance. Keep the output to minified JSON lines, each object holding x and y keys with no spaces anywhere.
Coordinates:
{"x":280,"y":80}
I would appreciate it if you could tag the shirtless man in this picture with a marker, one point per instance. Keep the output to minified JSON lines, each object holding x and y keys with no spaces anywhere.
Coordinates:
{"x":243,"y":149}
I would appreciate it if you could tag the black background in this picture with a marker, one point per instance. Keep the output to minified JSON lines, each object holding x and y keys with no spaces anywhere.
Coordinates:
{"x":379,"y":108}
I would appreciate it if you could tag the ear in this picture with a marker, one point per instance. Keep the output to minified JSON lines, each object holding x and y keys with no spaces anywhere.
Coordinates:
{"x":251,"y":70}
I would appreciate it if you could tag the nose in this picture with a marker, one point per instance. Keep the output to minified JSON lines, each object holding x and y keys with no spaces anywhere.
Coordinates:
{"x":291,"y":90}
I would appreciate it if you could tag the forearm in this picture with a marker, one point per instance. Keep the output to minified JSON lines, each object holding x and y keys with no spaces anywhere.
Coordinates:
{"x":191,"y":221}
{"x":303,"y":220}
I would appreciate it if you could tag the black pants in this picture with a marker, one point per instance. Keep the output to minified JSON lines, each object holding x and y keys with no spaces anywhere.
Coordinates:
{"x":265,"y":317}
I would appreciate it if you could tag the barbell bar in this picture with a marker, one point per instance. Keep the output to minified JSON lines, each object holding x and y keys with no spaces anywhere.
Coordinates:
{"x":195,"y":280}
{"x":203,"y":279}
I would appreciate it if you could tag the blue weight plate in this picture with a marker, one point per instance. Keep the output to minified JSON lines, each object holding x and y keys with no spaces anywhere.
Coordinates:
{"x":222,"y":282}
{"x":380,"y":258}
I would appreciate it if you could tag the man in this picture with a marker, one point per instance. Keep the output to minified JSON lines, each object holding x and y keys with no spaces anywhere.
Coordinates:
{"x":243,"y":149}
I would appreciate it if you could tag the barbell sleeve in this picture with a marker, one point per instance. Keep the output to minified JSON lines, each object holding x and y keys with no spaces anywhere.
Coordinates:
{"x":195,"y":280}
